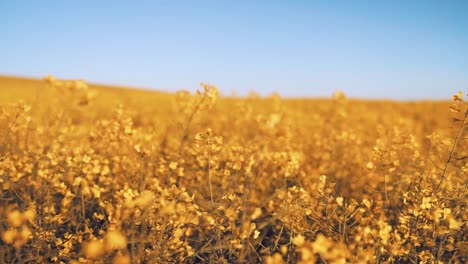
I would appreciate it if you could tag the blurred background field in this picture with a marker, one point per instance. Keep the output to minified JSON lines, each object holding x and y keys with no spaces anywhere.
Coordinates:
{"x":101,"y":174}
{"x":337,"y":133}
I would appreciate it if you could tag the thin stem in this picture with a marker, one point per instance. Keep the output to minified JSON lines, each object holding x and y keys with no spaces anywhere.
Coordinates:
{"x":209,"y":180}
{"x":189,"y":121}
{"x":385,"y":192}
{"x":452,"y":151}
{"x":82,"y":202}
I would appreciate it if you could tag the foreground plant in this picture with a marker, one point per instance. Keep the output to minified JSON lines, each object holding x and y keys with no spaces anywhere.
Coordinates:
{"x":116,"y":178}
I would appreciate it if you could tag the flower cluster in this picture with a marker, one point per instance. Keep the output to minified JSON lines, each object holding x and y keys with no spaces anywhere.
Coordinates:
{"x":148,"y":177}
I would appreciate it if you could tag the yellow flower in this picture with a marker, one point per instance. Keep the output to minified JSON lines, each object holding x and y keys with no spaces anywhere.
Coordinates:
{"x":94,"y":249}
{"x":22,"y":237}
{"x":339,"y":95}
{"x":256,"y":234}
{"x":9,"y":236}
{"x":14,"y":218}
{"x":49,"y":79}
{"x":29,"y":215}
{"x":339,"y":201}
{"x":458,"y":97}
{"x":298,"y":240}
{"x":367,"y":203}
{"x":121,"y":259}
{"x":80,"y":85}
{"x":454,"y":224}
{"x":173,"y":165}
{"x":145,"y":199}
{"x":274,"y":259}
{"x":426,"y":203}
{"x":115,"y":240}
{"x":256,"y":213}
{"x":321,"y":245}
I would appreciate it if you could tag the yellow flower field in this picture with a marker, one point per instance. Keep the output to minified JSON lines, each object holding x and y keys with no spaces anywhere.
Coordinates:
{"x":94,"y":174}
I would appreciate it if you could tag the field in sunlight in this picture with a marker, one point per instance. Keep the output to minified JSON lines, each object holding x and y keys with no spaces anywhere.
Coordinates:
{"x":95,"y":174}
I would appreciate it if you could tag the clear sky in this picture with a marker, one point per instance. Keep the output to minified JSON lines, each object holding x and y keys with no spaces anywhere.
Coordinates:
{"x":372,"y":49}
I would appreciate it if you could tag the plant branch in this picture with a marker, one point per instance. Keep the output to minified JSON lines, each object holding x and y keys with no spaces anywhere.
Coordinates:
{"x":452,"y":151}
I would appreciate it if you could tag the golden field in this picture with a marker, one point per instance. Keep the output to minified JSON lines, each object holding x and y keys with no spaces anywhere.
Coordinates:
{"x":95,"y":174}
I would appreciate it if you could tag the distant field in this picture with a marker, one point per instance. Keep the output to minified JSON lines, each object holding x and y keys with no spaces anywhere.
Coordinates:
{"x":14,"y":88}
{"x":98,"y":174}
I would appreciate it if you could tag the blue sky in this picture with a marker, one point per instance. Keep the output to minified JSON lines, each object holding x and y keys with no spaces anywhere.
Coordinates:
{"x":370,"y":49}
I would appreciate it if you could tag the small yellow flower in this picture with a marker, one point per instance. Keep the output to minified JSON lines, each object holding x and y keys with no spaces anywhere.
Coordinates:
{"x":458,"y":97}
{"x":94,"y":249}
{"x":14,"y":218}
{"x":121,"y":259}
{"x":367,"y":203}
{"x":22,"y":237}
{"x":9,"y":236}
{"x":339,"y":95}
{"x":173,"y":165}
{"x":274,"y":259}
{"x":145,"y":199}
{"x":256,"y":213}
{"x":49,"y":79}
{"x":321,"y":245}
{"x":115,"y":240}
{"x":299,"y":240}
{"x":256,"y":234}
{"x":339,"y":201}
{"x":454,"y":224}
{"x":29,"y":215}
{"x":426,"y":203}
